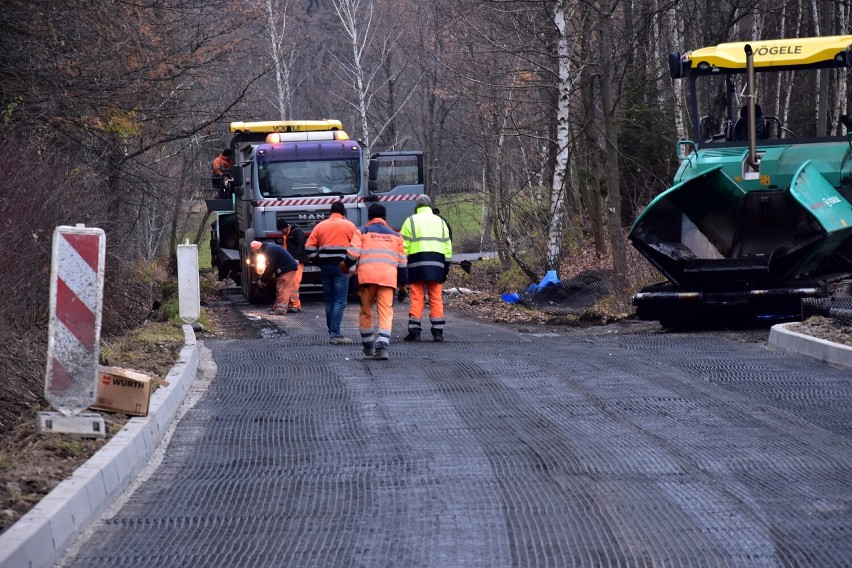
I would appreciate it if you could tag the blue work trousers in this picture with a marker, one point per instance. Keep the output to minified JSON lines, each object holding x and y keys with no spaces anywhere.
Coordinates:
{"x":335,"y":288}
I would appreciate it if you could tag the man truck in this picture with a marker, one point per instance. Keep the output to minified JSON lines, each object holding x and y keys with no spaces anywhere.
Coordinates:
{"x":294,"y":170}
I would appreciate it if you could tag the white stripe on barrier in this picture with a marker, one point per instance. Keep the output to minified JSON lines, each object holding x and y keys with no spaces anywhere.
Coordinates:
{"x":73,"y":354}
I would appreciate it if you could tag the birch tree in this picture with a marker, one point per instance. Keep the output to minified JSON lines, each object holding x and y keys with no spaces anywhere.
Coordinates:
{"x":356,"y":18}
{"x":563,"y":137}
{"x":676,"y":26}
{"x":283,"y":51}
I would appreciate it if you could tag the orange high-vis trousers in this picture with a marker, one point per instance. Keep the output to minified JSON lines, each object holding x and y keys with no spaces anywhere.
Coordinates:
{"x":295,"y":301}
{"x":418,"y":300}
{"x":382,"y":298}
{"x":283,"y":289}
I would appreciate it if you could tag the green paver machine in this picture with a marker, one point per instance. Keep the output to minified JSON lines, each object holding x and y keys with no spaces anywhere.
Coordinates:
{"x":759,"y":215}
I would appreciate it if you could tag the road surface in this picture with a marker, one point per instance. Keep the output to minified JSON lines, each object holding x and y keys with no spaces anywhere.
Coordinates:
{"x":495,"y":448}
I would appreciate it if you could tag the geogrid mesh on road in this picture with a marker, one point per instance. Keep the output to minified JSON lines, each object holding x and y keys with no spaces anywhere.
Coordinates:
{"x":496,"y":448}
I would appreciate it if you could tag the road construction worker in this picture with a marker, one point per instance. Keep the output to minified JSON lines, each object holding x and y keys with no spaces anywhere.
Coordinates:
{"x":223,"y":162}
{"x":378,"y":255}
{"x":281,"y":266}
{"x":327,"y":246}
{"x":293,"y":239}
{"x":428,"y":248}
{"x":222,"y":165}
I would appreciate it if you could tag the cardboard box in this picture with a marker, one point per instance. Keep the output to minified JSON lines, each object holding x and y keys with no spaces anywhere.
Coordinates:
{"x":124,"y":390}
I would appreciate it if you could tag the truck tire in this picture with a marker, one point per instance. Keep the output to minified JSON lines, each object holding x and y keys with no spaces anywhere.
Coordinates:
{"x":251,"y":292}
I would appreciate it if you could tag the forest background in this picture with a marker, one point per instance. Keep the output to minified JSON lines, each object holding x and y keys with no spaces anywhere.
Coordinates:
{"x":557,"y":119}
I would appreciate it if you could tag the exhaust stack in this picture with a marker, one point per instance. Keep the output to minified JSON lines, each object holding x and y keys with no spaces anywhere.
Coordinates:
{"x":753,"y":159}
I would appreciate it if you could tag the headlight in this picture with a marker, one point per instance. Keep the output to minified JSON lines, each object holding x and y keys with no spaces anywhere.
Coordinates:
{"x":260,"y":263}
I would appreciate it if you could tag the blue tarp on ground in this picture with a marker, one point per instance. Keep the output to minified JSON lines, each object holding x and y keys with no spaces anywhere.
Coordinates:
{"x":549,"y":279}
{"x":572,"y":296}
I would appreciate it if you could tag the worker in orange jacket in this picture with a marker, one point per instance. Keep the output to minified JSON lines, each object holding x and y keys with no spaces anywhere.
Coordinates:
{"x":327,"y":246}
{"x":222,"y":165}
{"x":378,"y":254}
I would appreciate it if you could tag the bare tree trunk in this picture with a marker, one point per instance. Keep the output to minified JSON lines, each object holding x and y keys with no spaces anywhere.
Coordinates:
{"x":276,"y":17}
{"x":351,"y":15}
{"x":822,"y":77}
{"x":613,"y":176}
{"x":563,"y":141}
{"x":780,"y":76}
{"x":841,"y":98}
{"x":678,"y":86}
{"x":593,"y":192}
{"x":785,"y":109}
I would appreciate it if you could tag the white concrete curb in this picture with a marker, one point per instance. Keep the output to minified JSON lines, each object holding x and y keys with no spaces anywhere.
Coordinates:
{"x":40,"y":537}
{"x":832,"y":353}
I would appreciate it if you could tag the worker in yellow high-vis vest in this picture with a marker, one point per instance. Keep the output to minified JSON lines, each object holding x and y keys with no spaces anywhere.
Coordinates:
{"x":428,"y":247}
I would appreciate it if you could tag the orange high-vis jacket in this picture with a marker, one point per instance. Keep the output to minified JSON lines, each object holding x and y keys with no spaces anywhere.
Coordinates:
{"x":221,"y":163}
{"x":329,"y":240}
{"x":379,"y":252}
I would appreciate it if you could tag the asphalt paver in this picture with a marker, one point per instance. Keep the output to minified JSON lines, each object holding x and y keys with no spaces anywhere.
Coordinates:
{"x":496,"y":448}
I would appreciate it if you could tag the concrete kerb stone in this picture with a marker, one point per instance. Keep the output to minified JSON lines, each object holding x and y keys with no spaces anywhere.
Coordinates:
{"x":785,"y":339}
{"x":40,"y":537}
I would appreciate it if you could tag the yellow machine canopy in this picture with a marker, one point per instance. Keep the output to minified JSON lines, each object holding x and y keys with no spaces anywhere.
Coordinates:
{"x":832,"y":51}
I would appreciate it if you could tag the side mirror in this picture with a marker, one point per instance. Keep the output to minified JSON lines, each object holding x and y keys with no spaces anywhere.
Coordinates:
{"x":677,"y":69}
{"x":373,"y":172}
{"x":684,"y":149}
{"x":238,"y":181}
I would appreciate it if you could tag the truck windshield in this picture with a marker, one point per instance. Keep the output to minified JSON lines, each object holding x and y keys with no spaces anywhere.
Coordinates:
{"x":308,"y":177}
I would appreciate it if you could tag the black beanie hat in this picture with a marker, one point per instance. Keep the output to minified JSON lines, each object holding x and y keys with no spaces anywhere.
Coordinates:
{"x":376,"y":210}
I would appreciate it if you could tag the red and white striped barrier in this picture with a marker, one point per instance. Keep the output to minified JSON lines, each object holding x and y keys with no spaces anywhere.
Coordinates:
{"x":76,"y":297}
{"x":303,"y":201}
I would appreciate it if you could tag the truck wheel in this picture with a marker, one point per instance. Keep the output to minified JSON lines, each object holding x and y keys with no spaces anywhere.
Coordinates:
{"x":250,"y":290}
{"x":245,"y":277}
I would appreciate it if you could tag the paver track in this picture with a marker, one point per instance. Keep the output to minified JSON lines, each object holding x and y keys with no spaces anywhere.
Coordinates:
{"x":498,"y":449}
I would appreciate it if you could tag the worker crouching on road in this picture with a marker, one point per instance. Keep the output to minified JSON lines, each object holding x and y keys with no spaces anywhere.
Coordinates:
{"x":428,"y":247}
{"x":327,"y":246}
{"x":379,"y":256}
{"x":294,"y":240}
{"x":281,"y":266}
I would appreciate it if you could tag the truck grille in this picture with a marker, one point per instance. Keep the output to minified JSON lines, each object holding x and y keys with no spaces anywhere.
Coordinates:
{"x":305,"y":220}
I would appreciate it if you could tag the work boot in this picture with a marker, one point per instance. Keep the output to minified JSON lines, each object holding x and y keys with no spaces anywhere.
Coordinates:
{"x":412,"y":336}
{"x":369,"y":350}
{"x":294,"y":311}
{"x":340,"y":340}
{"x":437,"y":334}
{"x":381,"y":353}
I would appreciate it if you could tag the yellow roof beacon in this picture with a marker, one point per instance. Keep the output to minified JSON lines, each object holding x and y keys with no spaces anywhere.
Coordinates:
{"x":270,"y":126}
